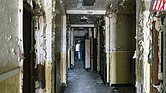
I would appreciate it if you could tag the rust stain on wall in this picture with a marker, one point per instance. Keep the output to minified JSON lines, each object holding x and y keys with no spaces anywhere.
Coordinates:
{"x":154,"y":69}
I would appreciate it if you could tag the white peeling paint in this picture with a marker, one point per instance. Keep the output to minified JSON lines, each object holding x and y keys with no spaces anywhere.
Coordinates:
{"x":49,"y":17}
{"x":40,"y":40}
{"x":144,"y":39}
{"x":147,"y":36}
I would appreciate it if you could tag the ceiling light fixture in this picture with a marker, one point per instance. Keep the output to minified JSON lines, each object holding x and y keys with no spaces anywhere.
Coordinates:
{"x":84,"y":17}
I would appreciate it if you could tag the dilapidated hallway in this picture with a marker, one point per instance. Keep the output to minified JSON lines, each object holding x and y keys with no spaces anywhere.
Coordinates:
{"x":122,"y":45}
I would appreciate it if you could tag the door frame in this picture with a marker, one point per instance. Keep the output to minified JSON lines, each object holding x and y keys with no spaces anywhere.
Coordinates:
{"x":31,"y":85}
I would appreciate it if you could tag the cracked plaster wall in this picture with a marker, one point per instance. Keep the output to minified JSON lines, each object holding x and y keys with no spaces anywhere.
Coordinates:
{"x":143,"y":44}
{"x":43,"y":39}
{"x":49,"y":15}
{"x":12,"y":45}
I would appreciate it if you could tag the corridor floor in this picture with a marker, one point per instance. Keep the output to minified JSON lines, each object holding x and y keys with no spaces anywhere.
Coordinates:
{"x":82,"y":81}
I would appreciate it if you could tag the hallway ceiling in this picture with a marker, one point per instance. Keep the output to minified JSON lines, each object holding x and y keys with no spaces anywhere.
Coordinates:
{"x":78,"y":4}
{"x":78,"y":11}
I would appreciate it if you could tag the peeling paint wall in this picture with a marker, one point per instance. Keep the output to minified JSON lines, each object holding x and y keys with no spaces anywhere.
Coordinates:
{"x":43,"y":41}
{"x":49,"y":41}
{"x":143,"y":41}
{"x":149,"y":49}
{"x":40,"y":37}
{"x":122,"y":42}
{"x":40,"y":50}
{"x":48,"y":37}
{"x":120,"y":45}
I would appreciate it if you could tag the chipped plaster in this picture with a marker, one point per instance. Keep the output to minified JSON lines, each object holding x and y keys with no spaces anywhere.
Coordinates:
{"x":144,"y":44}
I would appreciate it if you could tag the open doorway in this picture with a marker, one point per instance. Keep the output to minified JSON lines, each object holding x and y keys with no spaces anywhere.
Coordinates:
{"x":28,"y":64}
{"x":103,"y":64}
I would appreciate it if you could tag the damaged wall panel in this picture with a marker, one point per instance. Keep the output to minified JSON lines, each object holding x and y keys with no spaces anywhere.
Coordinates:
{"x":144,"y":58}
{"x":12,"y":44}
{"x":40,"y":40}
{"x":43,"y":44}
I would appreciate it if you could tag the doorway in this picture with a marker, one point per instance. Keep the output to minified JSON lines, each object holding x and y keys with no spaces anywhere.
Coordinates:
{"x":28,"y":64}
{"x":103,"y":64}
